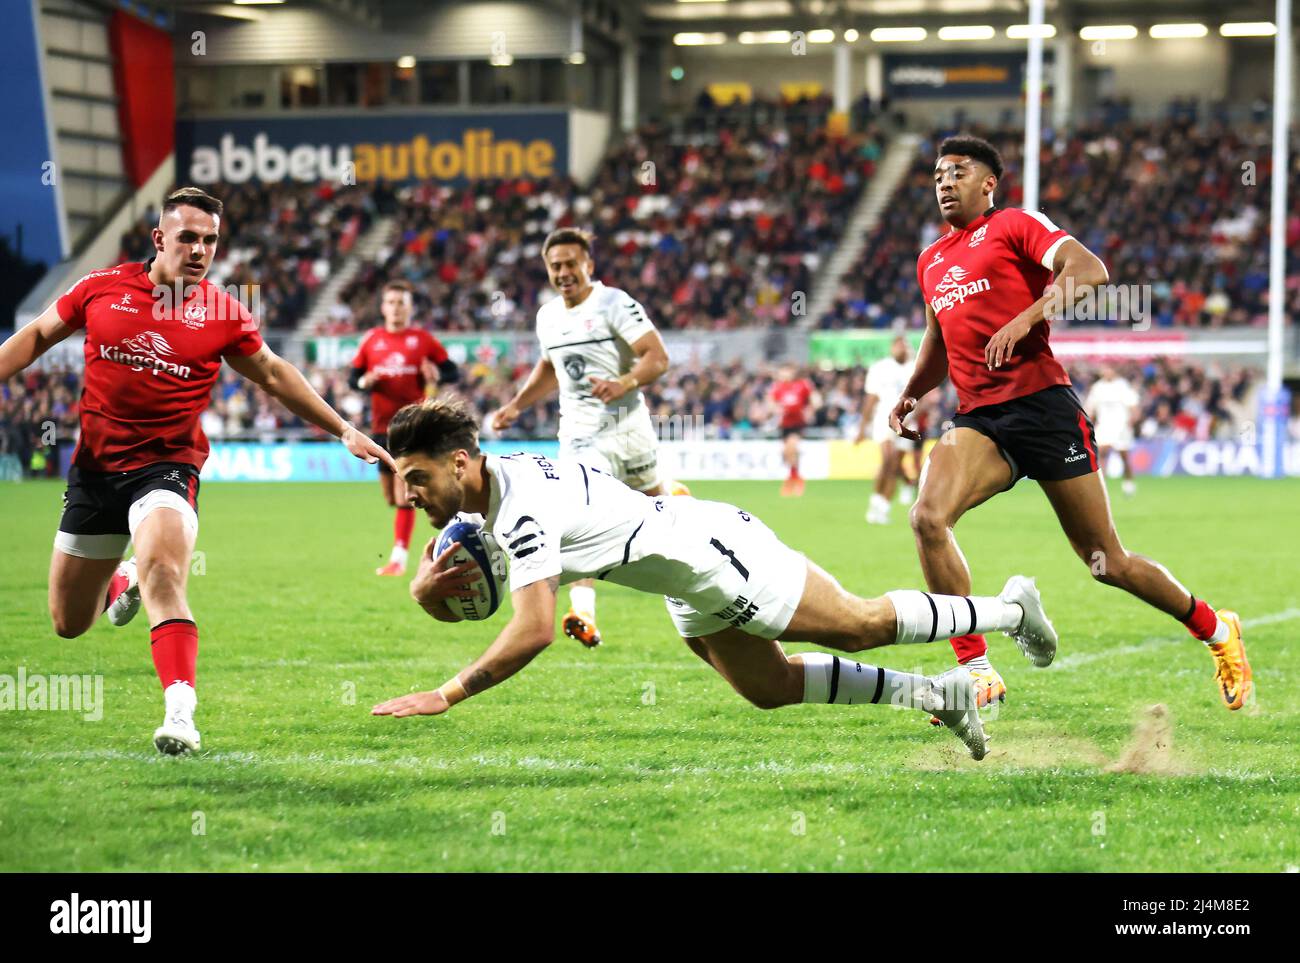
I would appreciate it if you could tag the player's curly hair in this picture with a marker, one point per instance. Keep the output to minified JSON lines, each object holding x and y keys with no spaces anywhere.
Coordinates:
{"x":976,"y":148}
{"x":434,"y":427}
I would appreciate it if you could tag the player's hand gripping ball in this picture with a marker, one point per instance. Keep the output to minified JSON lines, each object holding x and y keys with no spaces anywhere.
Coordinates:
{"x":488,"y":584}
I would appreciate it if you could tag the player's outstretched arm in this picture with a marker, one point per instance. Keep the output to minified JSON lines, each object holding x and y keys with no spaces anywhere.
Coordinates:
{"x":930,"y":370}
{"x":286,"y":384}
{"x":541,"y":383}
{"x":31,"y":341}
{"x":650,"y":365}
{"x":1076,"y":270}
{"x":529,"y":631}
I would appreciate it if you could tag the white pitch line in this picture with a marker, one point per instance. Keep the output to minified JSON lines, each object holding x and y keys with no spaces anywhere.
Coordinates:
{"x":530,"y":763}
{"x":1149,"y":645}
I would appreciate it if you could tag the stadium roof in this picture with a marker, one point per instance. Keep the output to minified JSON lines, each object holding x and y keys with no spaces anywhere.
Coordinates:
{"x":660,"y":19}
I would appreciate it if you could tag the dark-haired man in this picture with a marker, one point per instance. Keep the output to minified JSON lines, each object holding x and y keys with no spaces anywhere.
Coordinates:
{"x":395,"y":362}
{"x":988,"y":285}
{"x":156,"y":334}
{"x":598,"y":349}
{"x":732,"y":588}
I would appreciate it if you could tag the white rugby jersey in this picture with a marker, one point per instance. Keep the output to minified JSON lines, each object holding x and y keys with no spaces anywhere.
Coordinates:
{"x":557,"y":516}
{"x":593,"y":339}
{"x":886,"y":379}
{"x":1112,"y":402}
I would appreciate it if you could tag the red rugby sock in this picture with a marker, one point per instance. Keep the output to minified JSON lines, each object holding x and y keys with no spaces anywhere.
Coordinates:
{"x":175,"y":648}
{"x":1201,"y":621}
{"x":969,"y":647}
{"x":403,"y":526}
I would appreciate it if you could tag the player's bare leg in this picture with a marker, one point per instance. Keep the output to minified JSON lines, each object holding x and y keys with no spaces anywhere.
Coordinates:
{"x":394,"y":490}
{"x":886,"y":479}
{"x":829,"y":615}
{"x":793,"y":486}
{"x":1083,"y":508}
{"x":1128,"y":486}
{"x":79,"y":591}
{"x":164,"y":546}
{"x":912,"y":478}
{"x":965,"y":469}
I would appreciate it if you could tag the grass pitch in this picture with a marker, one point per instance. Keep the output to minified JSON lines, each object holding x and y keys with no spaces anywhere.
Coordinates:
{"x":636,"y":756}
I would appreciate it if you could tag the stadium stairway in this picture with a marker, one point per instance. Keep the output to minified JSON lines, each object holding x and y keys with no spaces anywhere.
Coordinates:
{"x":367,"y":248}
{"x":893,"y":167}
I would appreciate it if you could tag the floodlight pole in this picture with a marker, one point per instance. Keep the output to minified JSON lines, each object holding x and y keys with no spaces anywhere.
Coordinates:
{"x":1275,"y":405}
{"x":1034,"y":104}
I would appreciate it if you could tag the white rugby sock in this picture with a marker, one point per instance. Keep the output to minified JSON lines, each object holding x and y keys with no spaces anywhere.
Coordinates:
{"x":924,"y":617}
{"x":398,"y":555}
{"x":582,"y":598}
{"x":831,"y":679}
{"x":1221,"y":632}
{"x":979,"y":662}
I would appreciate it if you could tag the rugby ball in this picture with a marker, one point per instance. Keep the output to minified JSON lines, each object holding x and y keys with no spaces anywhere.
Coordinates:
{"x":488,"y":585}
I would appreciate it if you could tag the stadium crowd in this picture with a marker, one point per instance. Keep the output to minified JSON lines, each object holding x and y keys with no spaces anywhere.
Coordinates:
{"x":1180,"y":400}
{"x":711,"y":230}
{"x":1176,"y":205}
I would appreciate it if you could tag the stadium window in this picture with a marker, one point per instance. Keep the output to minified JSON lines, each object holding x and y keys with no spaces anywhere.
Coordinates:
{"x":343,"y":84}
{"x":300,"y":86}
{"x":402,"y":87}
{"x":489,"y":84}
{"x":251,"y":86}
{"x":439,"y":82}
{"x":197,"y":89}
{"x":375,"y":81}
{"x":554,"y":77}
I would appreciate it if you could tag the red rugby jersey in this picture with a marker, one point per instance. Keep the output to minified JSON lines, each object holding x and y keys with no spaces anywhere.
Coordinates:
{"x":793,"y":398}
{"x":150,"y":365}
{"x":393,"y":358}
{"x":978,"y":278}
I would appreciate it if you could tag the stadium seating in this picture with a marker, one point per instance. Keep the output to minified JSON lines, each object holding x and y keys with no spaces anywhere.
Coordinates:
{"x":711,"y":230}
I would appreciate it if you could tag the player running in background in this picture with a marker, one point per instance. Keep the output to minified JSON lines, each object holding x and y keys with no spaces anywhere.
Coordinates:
{"x":796,"y":398}
{"x":394,"y":363}
{"x":151,"y":363}
{"x":598,"y":350}
{"x":988,"y":283}
{"x":886,"y":380}
{"x":731,"y":587}
{"x":1113,"y":406}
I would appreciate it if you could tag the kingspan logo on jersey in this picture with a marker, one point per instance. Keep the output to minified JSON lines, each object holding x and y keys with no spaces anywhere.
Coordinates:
{"x":954,"y":288}
{"x":148,"y":349}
